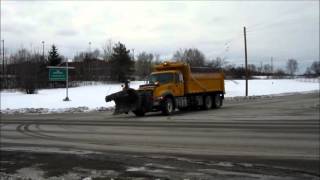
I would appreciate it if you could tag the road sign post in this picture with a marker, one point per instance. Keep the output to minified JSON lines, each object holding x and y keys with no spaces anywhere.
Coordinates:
{"x":60,"y":73}
{"x":67,"y":83}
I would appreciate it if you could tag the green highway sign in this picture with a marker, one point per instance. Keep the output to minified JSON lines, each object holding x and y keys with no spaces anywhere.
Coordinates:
{"x":57,"y":74}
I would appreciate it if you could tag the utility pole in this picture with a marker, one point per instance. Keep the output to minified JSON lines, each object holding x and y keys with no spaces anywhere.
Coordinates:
{"x":245,"y":56}
{"x":67,"y":82}
{"x":3,"y":64}
{"x":271,"y":65}
{"x":89,"y":47}
{"x":43,"y":50}
{"x":2,"y":57}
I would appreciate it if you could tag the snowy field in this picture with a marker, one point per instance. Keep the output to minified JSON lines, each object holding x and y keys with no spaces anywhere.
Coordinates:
{"x":89,"y":98}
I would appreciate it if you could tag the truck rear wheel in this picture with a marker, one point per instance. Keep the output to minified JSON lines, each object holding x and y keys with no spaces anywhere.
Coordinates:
{"x":217,"y":101}
{"x":167,"y":106}
{"x":207,"y":102}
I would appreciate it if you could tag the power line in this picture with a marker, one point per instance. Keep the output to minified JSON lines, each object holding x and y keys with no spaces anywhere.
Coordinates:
{"x":228,"y":44}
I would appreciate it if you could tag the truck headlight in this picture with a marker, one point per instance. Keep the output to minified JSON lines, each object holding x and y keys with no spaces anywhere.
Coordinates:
{"x":159,"y":98}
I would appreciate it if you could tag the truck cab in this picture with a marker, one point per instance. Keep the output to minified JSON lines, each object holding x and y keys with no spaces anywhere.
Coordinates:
{"x":167,"y":82}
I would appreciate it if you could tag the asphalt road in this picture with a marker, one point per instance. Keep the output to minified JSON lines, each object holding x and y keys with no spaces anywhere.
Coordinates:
{"x":271,"y":138}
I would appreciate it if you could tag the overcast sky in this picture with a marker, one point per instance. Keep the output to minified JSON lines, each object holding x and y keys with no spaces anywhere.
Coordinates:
{"x":285,"y":29}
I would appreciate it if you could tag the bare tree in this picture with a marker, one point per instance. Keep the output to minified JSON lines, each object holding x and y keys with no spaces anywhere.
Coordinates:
{"x":267,"y":69}
{"x":144,"y":64}
{"x":156,"y":59}
{"x":279,"y":73}
{"x":313,"y":70}
{"x":95,"y":54}
{"x":107,"y":50}
{"x":178,"y":55}
{"x":218,"y":63}
{"x":29,"y":70}
{"x":80,"y":56}
{"x":252,"y":68}
{"x":292,"y":66}
{"x":193,"y":57}
{"x":315,"y":67}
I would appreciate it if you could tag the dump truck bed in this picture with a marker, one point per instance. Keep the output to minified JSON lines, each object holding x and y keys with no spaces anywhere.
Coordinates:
{"x":204,"y":82}
{"x":196,"y":82}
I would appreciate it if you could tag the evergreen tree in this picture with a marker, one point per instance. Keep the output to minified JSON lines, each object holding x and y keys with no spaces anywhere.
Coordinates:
{"x":121,"y":64}
{"x":54,"y":57}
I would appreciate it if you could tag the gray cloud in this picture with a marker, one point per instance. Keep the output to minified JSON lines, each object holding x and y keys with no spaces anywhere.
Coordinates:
{"x":11,"y":28}
{"x":283,"y":29}
{"x":66,"y":32}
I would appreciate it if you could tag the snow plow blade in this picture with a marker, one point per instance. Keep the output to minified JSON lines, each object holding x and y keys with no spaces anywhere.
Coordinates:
{"x":125,"y":100}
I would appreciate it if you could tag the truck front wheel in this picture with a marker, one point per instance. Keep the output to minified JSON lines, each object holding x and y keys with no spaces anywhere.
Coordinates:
{"x":167,"y":106}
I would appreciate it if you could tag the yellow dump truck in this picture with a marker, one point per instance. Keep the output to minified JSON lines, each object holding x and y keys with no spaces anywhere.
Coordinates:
{"x":172,"y":85}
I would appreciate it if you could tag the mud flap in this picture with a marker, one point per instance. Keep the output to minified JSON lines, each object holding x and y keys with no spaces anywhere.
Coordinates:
{"x":126,"y":101}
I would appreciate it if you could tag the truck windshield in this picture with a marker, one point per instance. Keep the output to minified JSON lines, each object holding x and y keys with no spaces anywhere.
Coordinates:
{"x":162,"y":78}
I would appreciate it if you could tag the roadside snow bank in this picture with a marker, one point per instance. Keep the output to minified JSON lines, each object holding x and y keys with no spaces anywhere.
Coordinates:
{"x":92,"y":98}
{"x":268,"y":86}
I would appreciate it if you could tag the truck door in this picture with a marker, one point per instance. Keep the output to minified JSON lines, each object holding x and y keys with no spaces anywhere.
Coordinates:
{"x":178,"y":87}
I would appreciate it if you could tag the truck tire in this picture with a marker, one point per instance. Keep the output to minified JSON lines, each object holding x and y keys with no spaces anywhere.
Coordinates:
{"x":167,"y":106}
{"x":217,"y":101}
{"x":139,"y":112}
{"x":207,"y":103}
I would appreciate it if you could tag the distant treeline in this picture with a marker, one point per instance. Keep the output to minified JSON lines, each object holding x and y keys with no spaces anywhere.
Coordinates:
{"x":28,"y":71}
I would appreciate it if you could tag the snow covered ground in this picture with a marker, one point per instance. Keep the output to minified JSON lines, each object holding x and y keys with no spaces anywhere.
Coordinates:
{"x":269,"y":86}
{"x":88,"y":98}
